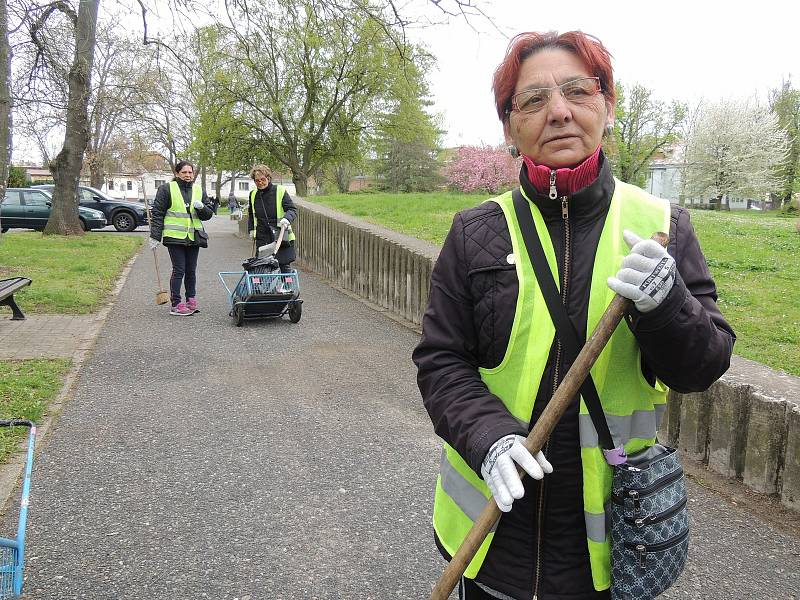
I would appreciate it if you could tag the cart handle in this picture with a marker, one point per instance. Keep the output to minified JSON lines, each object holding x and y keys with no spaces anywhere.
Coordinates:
{"x":16,"y":423}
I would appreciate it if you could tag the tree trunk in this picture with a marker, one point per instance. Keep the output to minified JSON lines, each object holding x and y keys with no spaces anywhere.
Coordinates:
{"x":96,"y":174}
{"x":5,"y":100}
{"x":66,"y":167}
{"x":300,"y":181}
{"x":218,"y":186}
{"x":343,"y":178}
{"x":203,"y":179}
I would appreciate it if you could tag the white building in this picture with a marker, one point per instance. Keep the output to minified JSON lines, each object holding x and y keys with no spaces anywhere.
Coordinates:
{"x":664,"y":176}
{"x":132,"y":186}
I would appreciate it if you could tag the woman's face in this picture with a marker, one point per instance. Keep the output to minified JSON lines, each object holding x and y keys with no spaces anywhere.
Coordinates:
{"x":261,"y":180}
{"x":562,"y":134}
{"x":186,"y":173}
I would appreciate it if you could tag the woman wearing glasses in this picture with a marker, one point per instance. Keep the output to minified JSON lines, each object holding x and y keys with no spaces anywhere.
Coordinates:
{"x":489,"y":359}
{"x":271,"y":207}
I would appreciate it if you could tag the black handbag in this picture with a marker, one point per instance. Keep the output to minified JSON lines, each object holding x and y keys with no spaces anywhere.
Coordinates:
{"x":201,"y":238}
{"x":649,"y":520}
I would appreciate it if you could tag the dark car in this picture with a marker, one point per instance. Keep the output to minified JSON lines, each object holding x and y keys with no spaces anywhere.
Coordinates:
{"x":29,"y":208}
{"x":122,"y":214}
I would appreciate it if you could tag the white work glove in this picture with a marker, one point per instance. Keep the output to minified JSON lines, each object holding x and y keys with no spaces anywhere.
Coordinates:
{"x":252,"y":234}
{"x":198,"y":204}
{"x":154,"y":243}
{"x":647,"y":274}
{"x":283,"y":223}
{"x":499,"y":469}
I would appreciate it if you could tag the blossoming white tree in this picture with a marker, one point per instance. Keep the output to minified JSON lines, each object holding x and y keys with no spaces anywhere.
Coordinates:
{"x":734,"y":151}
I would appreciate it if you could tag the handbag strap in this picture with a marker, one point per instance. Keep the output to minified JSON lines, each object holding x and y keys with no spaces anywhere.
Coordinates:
{"x":564,"y":328}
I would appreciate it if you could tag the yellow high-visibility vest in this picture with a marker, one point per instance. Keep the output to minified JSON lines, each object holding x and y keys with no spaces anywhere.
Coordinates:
{"x":178,"y":223}
{"x":631,"y":405}
{"x":279,"y":192}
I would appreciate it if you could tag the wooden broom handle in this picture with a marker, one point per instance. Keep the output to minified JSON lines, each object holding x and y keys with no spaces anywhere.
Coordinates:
{"x":538,"y":436}
{"x":150,"y":223}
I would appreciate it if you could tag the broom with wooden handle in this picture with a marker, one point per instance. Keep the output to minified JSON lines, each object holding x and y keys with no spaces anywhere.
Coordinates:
{"x":162,"y":296}
{"x":538,"y":436}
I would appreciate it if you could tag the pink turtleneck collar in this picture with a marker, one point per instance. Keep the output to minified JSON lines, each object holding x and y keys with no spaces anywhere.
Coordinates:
{"x":568,"y":181}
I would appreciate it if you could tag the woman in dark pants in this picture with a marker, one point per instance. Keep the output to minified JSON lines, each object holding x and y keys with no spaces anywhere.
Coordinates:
{"x":489,"y":360}
{"x":178,"y":209}
{"x":271,"y":206}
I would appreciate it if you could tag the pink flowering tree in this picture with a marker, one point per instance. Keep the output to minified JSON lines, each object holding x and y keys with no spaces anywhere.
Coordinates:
{"x":482,"y":169}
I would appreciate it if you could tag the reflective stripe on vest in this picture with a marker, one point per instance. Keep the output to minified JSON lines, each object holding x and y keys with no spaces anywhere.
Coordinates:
{"x":631,"y":405}
{"x":178,"y":223}
{"x":279,"y":192}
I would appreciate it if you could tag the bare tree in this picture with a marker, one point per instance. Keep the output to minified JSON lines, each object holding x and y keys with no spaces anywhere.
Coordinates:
{"x":114,"y":98}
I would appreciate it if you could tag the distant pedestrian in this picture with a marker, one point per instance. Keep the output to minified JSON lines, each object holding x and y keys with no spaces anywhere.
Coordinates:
{"x":271,"y":207}
{"x":214,"y":203}
{"x":178,"y":211}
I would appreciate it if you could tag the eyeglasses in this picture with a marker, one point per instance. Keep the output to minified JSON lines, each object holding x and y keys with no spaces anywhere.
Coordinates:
{"x":578,"y":91}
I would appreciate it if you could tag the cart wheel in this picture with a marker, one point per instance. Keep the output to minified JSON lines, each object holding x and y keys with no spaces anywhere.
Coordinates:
{"x":238,"y":315}
{"x":295,"y":312}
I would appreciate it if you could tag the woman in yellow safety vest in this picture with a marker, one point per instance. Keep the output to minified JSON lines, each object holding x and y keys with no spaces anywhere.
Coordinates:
{"x":489,"y":359}
{"x":179,"y":208}
{"x":271,"y":208}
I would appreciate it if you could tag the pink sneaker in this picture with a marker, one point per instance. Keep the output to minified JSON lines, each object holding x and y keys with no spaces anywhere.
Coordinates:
{"x":191,"y":304}
{"x":181,"y":310}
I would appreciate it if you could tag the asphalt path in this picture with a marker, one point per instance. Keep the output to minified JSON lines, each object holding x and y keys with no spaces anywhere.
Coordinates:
{"x":273,"y":461}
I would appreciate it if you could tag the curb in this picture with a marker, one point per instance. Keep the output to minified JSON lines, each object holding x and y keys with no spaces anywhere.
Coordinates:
{"x":11,"y":472}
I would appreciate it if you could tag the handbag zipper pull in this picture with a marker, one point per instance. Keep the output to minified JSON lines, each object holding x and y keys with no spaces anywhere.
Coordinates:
{"x":642,"y":556}
{"x":635,"y":496}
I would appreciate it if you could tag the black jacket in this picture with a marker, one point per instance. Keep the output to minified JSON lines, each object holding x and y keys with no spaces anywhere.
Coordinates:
{"x":266,"y":208}
{"x":685,"y":342}
{"x":161,"y":204}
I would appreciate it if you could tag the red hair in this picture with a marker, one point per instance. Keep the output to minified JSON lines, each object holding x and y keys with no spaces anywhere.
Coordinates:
{"x":586,"y":47}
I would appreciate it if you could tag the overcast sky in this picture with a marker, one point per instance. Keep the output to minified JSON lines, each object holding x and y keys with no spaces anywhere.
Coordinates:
{"x":684,"y":50}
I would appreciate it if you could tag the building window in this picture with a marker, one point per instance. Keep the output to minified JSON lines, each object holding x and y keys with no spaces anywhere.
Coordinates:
{"x":244,"y":186}
{"x":111,"y":184}
{"x":129,"y":185}
{"x":159,"y":183}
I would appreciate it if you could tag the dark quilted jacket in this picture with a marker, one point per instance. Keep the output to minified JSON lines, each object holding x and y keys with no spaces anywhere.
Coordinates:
{"x":540,"y":546}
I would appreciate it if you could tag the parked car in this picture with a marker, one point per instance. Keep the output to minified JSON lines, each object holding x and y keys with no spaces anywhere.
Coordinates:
{"x":122,"y":214}
{"x":29,"y":208}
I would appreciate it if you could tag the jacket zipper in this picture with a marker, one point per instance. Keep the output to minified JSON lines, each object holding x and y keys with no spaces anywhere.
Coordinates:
{"x":553,"y":195}
{"x":642,"y":550}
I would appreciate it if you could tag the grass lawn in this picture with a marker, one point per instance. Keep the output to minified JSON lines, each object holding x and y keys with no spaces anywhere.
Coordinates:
{"x":753,"y":256}
{"x":26,"y":389}
{"x":71,"y":275}
{"x":755,"y":260}
{"x":423,"y":216}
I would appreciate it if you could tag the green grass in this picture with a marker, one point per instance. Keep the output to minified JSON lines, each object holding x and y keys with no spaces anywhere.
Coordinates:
{"x":754,"y":258}
{"x":26,"y":389}
{"x":71,"y":275}
{"x":424,"y":216}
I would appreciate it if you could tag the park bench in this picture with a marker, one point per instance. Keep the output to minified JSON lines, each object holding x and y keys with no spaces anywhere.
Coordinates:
{"x":7,"y":289}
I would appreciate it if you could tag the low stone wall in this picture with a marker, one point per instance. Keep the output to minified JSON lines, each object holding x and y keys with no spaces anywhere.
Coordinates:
{"x":746,"y":426}
{"x":380,"y":265}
